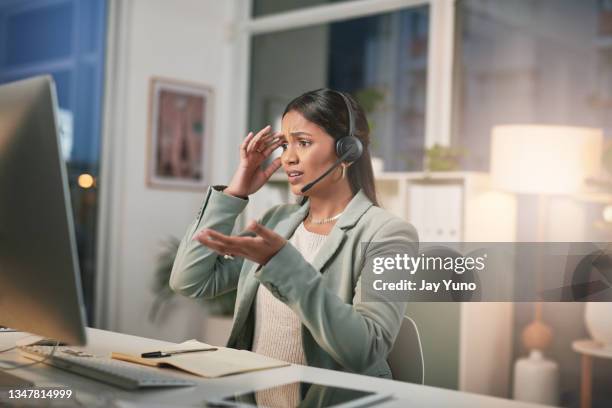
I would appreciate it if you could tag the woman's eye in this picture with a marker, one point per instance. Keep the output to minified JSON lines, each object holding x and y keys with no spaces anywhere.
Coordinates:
{"x":305,"y":143}
{"x":283,"y":146}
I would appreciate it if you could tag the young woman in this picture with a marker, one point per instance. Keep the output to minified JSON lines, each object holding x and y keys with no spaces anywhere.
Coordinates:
{"x":299,"y":279}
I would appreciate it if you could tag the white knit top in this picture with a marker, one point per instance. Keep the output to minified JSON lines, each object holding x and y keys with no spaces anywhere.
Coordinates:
{"x":278,"y":329}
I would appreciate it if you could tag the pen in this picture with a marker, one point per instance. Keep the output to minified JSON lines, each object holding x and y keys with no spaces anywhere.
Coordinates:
{"x":158,"y":354}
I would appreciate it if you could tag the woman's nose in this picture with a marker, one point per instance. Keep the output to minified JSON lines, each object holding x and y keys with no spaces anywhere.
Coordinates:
{"x":289,"y":156}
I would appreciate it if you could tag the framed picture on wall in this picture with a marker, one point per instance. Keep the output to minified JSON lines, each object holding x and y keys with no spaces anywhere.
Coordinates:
{"x":180,"y":124}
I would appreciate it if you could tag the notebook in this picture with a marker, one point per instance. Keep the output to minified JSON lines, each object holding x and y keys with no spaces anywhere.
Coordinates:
{"x":209,"y":364}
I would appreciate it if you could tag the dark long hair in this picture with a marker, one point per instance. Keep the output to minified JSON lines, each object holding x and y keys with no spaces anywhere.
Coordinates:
{"x":327,"y":109}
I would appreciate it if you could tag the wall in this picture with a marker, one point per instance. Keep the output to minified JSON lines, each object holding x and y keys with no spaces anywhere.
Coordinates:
{"x":190,"y":42}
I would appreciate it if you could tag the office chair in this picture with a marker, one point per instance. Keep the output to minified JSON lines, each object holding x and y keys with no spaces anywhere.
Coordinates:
{"x":406,"y":357}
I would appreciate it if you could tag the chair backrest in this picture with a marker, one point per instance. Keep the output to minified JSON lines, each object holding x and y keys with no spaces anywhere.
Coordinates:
{"x":406,"y":357}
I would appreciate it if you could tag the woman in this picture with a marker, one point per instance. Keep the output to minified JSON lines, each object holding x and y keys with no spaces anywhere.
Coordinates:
{"x":308,"y":257}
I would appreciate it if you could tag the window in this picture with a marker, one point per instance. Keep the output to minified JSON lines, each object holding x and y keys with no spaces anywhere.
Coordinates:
{"x":65,"y":39}
{"x":545,"y":62}
{"x":380,"y":59}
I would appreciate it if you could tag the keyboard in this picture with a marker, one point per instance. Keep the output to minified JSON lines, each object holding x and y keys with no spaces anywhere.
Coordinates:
{"x":119,"y":373}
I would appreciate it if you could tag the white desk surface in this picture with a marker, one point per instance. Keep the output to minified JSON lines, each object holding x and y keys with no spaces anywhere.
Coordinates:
{"x":100,"y":342}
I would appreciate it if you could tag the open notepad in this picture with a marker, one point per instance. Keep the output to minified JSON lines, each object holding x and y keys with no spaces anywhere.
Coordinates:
{"x":209,"y":364}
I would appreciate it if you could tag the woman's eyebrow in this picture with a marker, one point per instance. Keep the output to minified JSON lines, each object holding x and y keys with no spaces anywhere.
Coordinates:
{"x":299,"y":133}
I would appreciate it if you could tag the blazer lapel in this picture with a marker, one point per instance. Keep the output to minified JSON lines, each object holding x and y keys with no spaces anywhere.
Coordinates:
{"x":329,"y":247}
{"x":353,"y":212}
{"x":286,"y":227}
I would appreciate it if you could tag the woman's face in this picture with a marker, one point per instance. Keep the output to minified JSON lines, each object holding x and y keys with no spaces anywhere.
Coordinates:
{"x":308,"y":152}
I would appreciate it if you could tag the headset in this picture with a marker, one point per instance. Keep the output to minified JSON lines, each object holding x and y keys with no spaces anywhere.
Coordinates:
{"x":348,"y":148}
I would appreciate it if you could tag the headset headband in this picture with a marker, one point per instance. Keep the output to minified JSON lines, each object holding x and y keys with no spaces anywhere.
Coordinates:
{"x":350,"y":113}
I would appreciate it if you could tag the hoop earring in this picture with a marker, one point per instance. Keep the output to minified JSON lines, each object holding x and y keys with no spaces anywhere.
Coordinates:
{"x":337,"y":179}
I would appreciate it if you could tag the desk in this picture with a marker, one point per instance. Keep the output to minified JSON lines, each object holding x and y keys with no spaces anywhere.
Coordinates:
{"x":589,"y":349}
{"x":93,"y":393}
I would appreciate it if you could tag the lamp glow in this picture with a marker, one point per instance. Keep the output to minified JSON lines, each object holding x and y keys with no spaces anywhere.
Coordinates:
{"x":86,"y":180}
{"x":607,"y":213}
{"x":538,"y":159}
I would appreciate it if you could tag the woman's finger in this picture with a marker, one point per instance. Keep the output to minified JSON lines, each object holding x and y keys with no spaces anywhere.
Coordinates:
{"x":246,"y":141}
{"x":222,"y":238}
{"x":263,"y":143}
{"x":214,"y":245}
{"x":272,"y":167}
{"x":273,"y":137}
{"x":267,"y":234}
{"x":274,"y":142}
{"x":234,"y":244}
{"x":219,"y":246}
{"x":260,"y":145}
{"x":268,"y":150}
{"x":273,"y":146}
{"x":258,"y":136}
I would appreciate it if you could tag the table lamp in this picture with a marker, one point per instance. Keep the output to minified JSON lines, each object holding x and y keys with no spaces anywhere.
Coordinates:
{"x":541,"y":160}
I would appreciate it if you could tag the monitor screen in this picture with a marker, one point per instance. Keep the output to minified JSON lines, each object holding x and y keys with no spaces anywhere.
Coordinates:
{"x":40,"y":288}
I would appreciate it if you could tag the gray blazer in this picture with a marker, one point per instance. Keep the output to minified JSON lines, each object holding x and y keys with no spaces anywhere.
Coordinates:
{"x":339,"y":331}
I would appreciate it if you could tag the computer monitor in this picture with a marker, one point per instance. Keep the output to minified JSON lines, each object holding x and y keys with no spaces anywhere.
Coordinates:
{"x":40,"y":287}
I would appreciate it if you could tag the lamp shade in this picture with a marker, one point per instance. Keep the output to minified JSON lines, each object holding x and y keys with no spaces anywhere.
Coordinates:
{"x":537,"y":159}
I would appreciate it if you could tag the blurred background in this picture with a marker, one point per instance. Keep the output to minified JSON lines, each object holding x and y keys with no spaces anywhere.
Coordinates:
{"x":490,"y":122}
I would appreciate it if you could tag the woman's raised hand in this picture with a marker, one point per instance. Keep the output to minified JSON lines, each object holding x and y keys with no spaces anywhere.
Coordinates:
{"x":249,"y":177}
{"x":258,"y":248}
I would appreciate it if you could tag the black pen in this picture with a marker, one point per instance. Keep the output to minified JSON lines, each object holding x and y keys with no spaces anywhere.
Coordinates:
{"x":158,"y":354}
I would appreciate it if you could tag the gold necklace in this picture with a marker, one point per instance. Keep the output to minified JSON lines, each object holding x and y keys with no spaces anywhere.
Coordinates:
{"x":324,"y":220}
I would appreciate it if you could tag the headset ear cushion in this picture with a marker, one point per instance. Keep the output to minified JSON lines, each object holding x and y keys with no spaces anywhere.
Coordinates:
{"x":350,"y":147}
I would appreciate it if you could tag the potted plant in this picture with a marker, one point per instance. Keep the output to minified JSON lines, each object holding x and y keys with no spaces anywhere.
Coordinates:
{"x":220,"y":306}
{"x":443,"y":158}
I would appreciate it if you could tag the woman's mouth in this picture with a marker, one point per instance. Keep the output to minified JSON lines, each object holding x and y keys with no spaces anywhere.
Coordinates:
{"x":294,"y":176}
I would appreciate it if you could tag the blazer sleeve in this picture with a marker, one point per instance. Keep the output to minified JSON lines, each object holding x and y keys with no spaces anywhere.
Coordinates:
{"x":356,"y":335}
{"x":198,"y":271}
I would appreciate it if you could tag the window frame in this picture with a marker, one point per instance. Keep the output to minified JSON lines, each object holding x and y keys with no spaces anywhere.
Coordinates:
{"x":438,"y":111}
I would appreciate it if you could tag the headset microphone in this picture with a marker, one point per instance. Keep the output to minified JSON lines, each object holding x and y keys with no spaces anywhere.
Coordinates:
{"x":348,"y":148}
{"x":345,"y":157}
